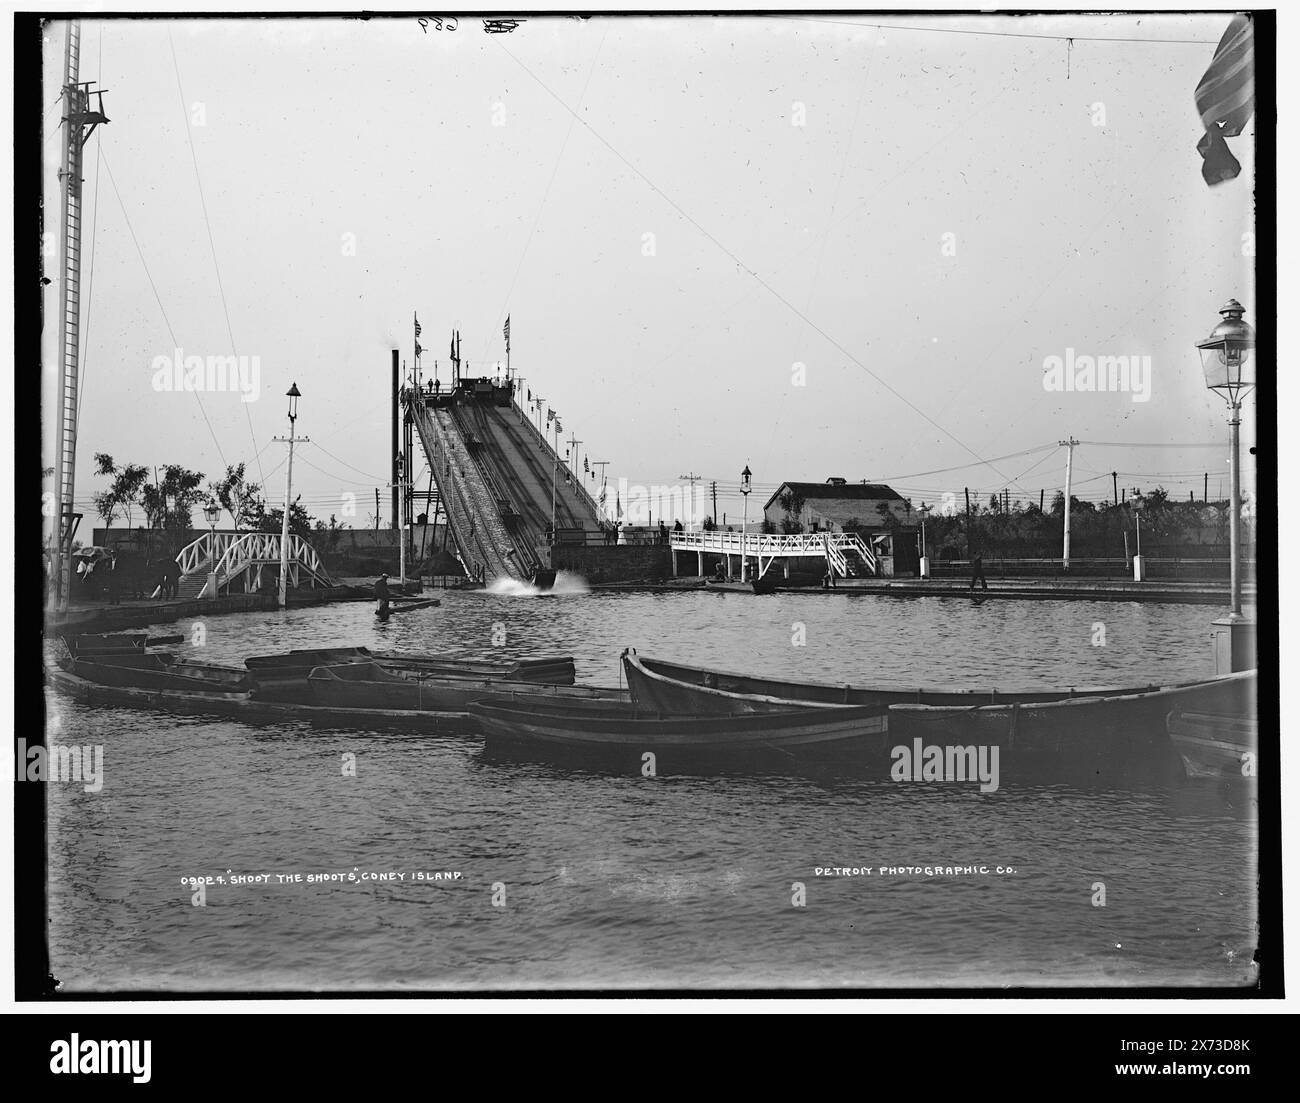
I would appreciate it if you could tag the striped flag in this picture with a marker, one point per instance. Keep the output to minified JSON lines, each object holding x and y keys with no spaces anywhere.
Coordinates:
{"x":506,"y":330}
{"x":417,"y":325}
{"x":1225,"y":98}
{"x":418,"y":350}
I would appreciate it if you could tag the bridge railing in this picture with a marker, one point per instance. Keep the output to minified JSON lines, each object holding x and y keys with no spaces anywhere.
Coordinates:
{"x":830,"y":546}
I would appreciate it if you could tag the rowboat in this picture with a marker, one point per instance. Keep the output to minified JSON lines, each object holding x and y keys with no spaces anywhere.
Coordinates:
{"x":155,"y":670}
{"x":405,"y":607}
{"x":675,"y":687}
{"x":555,"y":670}
{"x":594,"y":728}
{"x":284,"y":677}
{"x":1214,"y":745}
{"x":372,"y":685}
{"x":1104,"y":725}
{"x":248,"y":709}
{"x":106,"y":643}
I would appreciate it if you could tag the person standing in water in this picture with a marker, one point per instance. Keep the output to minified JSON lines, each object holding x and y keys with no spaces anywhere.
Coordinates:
{"x":381,"y":592}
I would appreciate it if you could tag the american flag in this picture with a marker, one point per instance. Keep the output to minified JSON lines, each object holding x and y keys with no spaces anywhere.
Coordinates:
{"x":418,"y":350}
{"x":417,"y":325}
{"x":1225,"y":97}
{"x":506,"y":330}
{"x":550,"y":414}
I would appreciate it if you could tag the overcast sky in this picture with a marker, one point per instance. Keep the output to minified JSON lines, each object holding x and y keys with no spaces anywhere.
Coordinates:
{"x":954,"y":209}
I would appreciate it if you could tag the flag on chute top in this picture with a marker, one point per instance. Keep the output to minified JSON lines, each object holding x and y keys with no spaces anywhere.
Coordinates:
{"x":1225,"y":97}
{"x":602,"y":496}
{"x":530,"y":394}
{"x":506,"y":331}
{"x":618,"y":507}
{"x":585,"y":465}
{"x":418,"y":350}
{"x":417,"y":325}
{"x":550,"y":414}
{"x":558,"y":427}
{"x":453,"y":344}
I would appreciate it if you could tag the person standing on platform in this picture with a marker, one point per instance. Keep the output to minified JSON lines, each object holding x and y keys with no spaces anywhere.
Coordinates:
{"x":977,"y":572}
{"x":381,"y":592}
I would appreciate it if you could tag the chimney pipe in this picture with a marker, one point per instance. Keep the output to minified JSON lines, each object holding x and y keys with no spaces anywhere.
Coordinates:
{"x":396,"y":447}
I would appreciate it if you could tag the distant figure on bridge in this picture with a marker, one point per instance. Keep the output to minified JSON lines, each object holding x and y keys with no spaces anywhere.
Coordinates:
{"x":381,"y":592}
{"x":977,"y":572}
{"x":663,"y":532}
{"x":677,"y":526}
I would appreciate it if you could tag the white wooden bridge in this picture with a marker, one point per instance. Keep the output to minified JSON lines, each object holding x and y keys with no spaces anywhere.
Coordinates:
{"x":238,"y":560}
{"x":844,"y":552}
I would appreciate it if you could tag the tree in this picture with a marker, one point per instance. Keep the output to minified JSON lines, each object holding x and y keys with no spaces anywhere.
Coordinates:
{"x":792,"y":502}
{"x":123,"y":492}
{"x":299,"y":520}
{"x":238,"y":497}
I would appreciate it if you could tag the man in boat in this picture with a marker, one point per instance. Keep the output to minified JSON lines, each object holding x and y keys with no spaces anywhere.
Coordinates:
{"x":977,"y":572}
{"x":381,"y":592}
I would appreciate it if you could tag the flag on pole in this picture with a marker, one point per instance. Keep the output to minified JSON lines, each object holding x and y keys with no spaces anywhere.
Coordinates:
{"x":530,"y":394}
{"x":585,"y":465}
{"x":550,"y":414}
{"x":417,"y":325}
{"x":453,"y":344}
{"x":418,"y":350}
{"x":506,"y":331}
{"x":618,"y":507}
{"x":1225,"y":97}
{"x":558,"y":427}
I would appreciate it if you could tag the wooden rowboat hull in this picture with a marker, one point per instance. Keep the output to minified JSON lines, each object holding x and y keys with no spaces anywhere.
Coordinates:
{"x":597,"y":728}
{"x":371,"y":686}
{"x":676,"y":687}
{"x":1110,"y":725}
{"x":1213,"y":745}
{"x":248,"y":709}
{"x":157,"y":671}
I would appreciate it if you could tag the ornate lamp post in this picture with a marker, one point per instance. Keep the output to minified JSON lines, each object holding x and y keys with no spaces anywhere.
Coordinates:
{"x":925,"y":561}
{"x":1226,"y":361}
{"x":745,"y":488}
{"x":293,"y":394}
{"x":211,"y":512}
{"x":1139,"y":504}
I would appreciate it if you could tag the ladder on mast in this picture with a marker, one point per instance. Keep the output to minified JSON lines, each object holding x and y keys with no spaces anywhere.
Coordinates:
{"x":79,"y":121}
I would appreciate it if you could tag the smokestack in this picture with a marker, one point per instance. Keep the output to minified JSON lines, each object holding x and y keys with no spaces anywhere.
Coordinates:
{"x":396,"y":447}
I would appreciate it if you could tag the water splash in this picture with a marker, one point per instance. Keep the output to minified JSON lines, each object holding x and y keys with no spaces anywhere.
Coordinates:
{"x":566,"y":583}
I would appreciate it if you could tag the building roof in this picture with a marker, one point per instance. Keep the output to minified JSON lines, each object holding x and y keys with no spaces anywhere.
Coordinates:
{"x":842,"y":492}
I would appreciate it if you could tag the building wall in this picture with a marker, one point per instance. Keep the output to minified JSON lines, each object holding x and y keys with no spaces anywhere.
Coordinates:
{"x":615,"y":563}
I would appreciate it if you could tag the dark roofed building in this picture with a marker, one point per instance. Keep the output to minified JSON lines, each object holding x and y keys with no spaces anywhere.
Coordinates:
{"x":876,"y":511}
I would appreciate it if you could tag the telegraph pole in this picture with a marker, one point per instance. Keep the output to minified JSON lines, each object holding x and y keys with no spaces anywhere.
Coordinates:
{"x":715,"y":502}
{"x":692,"y":478}
{"x":1069,"y":446}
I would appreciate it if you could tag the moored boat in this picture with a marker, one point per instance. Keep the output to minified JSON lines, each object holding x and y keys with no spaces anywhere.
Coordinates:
{"x":1215,"y":745}
{"x":1110,"y":725}
{"x":372,"y":685}
{"x":676,"y":687}
{"x":594,"y":728}
{"x":155,"y":670}
{"x":245,"y":707}
{"x":106,"y":643}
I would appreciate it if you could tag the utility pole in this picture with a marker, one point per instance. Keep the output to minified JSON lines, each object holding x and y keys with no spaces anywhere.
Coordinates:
{"x":1114,"y":478}
{"x":715,"y":504}
{"x":968,"y":523}
{"x":1205,"y":492}
{"x":376,"y":509}
{"x":692,"y":478}
{"x":1069,"y":446}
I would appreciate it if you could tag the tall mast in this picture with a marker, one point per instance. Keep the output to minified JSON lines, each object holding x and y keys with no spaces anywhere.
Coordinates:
{"x":79,"y":122}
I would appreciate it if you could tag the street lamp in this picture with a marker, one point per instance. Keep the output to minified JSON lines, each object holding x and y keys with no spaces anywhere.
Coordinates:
{"x":293,"y":394}
{"x":745,"y":488}
{"x":211,"y":512}
{"x":1139,"y":505}
{"x":925,"y":562}
{"x":1225,"y":355}
{"x":1224,"y":358}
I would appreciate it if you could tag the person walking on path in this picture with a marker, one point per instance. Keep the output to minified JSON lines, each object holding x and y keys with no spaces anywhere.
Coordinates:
{"x":977,"y":572}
